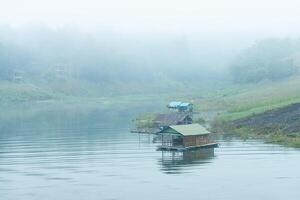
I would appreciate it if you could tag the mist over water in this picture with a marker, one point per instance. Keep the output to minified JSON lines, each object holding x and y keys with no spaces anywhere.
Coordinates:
{"x":74,"y":75}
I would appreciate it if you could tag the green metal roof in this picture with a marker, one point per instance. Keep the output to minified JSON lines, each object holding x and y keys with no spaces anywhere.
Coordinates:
{"x":189,"y":129}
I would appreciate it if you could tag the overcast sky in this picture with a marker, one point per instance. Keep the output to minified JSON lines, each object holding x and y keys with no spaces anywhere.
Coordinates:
{"x":279,"y":17}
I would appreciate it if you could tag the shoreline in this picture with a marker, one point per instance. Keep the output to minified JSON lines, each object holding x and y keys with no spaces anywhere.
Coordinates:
{"x":277,"y":126}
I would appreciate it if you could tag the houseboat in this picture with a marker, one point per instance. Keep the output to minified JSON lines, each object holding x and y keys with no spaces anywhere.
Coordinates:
{"x":185,"y":137}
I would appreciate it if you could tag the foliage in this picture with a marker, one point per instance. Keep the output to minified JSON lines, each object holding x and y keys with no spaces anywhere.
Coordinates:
{"x":200,"y":120}
{"x":145,"y":120}
{"x":14,"y":92}
{"x":267,"y":59}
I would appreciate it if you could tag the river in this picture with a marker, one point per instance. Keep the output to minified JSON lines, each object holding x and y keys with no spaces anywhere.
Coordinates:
{"x":55,"y":154}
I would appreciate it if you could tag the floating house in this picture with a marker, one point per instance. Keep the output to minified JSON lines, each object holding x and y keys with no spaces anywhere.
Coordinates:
{"x":185,"y":137}
{"x":165,"y":120}
{"x":181,"y":106}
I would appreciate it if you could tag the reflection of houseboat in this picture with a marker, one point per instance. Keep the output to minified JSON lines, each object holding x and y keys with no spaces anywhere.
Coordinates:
{"x":185,"y":137}
{"x":178,"y":162}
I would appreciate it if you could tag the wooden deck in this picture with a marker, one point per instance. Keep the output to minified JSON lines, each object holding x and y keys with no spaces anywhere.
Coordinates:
{"x":182,"y":148}
{"x":145,"y":130}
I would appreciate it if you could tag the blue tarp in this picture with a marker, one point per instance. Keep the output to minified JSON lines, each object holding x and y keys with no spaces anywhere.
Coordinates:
{"x":184,"y":104}
{"x":178,"y":104}
{"x":174,"y":104}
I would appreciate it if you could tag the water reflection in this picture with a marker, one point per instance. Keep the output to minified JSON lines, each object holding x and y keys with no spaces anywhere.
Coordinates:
{"x":172,"y":162}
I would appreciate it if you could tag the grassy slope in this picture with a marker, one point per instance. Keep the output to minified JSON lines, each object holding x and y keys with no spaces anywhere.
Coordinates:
{"x":237,"y":100}
{"x":11,"y":93}
{"x":14,"y":92}
{"x":248,"y":100}
{"x":242,"y":101}
{"x":61,"y":89}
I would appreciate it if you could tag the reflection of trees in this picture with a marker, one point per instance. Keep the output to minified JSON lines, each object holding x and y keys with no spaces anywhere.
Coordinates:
{"x":176,"y":162}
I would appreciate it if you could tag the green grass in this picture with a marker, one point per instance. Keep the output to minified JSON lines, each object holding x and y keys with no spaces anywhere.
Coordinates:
{"x":14,"y":92}
{"x":277,"y":137}
{"x":255,"y":99}
{"x":233,"y":101}
{"x":237,"y":113}
{"x":283,"y":139}
{"x":145,"y":120}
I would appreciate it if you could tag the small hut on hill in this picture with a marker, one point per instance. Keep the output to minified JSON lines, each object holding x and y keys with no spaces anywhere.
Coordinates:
{"x":183,"y":115}
{"x":181,"y":106}
{"x":164,"y":120}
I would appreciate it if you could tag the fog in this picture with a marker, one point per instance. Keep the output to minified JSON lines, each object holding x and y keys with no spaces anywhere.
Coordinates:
{"x":142,"y":42}
{"x":168,"y":14}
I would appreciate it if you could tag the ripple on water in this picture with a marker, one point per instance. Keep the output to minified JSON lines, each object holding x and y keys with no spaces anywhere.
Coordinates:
{"x":113,"y":162}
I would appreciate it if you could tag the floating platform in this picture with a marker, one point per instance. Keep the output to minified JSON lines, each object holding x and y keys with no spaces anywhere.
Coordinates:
{"x":189,"y":148}
{"x":146,"y":130}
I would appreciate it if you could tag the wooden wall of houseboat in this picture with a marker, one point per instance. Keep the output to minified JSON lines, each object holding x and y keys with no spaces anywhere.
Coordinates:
{"x":195,"y":140}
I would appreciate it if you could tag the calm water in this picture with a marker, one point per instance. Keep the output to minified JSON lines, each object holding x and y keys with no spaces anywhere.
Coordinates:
{"x":83,"y":156}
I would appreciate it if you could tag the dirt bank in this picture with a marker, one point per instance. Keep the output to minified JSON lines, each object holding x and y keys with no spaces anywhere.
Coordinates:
{"x":280,"y":126}
{"x":285,"y":119}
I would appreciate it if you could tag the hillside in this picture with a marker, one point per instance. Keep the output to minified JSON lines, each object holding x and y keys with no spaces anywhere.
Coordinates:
{"x":270,"y":111}
{"x":237,"y":101}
